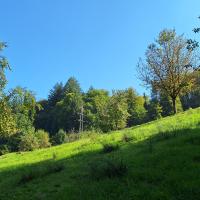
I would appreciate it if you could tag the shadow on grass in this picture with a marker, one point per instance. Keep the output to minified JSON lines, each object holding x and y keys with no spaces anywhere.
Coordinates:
{"x":165,"y":166}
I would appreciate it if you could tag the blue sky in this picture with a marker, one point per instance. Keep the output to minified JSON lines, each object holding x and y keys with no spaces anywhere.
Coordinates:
{"x":97,"y":41}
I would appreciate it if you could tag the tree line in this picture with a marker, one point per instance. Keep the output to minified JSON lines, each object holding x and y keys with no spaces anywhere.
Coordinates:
{"x":170,"y":70}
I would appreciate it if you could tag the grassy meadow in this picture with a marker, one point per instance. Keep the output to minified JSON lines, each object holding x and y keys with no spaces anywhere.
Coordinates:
{"x":154,"y":161}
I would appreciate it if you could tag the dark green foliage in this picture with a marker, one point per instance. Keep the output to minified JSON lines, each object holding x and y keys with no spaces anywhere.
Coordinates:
{"x":102,"y":113}
{"x":14,"y":141}
{"x":59,"y":137}
{"x":108,"y":169}
{"x":108,"y":148}
{"x":41,"y":120}
{"x":56,"y":94}
{"x":4,"y":149}
{"x":61,"y":110}
{"x":154,"y":110}
{"x":67,"y":112}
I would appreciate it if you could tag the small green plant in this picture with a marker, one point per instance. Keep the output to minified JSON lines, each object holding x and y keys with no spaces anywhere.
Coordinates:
{"x":54,"y":156}
{"x":54,"y":168}
{"x":27,"y":177}
{"x":108,"y":169}
{"x":108,"y":148}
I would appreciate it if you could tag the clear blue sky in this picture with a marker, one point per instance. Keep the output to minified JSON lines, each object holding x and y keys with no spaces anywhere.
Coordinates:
{"x":97,"y":41}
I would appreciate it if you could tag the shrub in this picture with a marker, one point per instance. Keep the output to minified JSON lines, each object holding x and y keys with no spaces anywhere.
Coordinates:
{"x":43,"y":139}
{"x":28,"y":142}
{"x":4,"y":149}
{"x":107,"y":148}
{"x":14,"y":141}
{"x":108,"y":169}
{"x":60,"y":137}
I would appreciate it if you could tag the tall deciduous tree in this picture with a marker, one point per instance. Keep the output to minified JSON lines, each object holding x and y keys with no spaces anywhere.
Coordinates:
{"x":169,"y":66}
{"x":136,"y":107}
{"x":7,"y":122}
{"x":118,"y":110}
{"x":23,"y":105}
{"x":3,"y":66}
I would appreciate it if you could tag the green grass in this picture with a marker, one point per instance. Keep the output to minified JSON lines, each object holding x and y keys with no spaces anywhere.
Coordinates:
{"x":155,"y":161}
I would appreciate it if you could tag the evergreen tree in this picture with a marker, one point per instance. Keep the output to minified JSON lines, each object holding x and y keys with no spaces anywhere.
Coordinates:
{"x":72,"y":86}
{"x":7,"y":122}
{"x":56,"y":94}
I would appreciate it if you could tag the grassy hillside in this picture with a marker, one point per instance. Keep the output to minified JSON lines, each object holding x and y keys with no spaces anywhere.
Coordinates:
{"x":158,"y":160}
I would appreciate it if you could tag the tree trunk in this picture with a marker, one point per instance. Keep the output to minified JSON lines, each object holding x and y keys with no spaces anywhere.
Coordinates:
{"x":174,"y":105}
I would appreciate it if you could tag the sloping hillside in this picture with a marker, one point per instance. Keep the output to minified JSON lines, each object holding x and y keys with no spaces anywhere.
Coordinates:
{"x":158,"y":160}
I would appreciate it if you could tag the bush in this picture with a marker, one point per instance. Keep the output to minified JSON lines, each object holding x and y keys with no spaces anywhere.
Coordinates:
{"x":60,"y":137}
{"x":14,"y":141}
{"x":43,"y":139}
{"x":4,"y":149}
{"x":28,"y":142}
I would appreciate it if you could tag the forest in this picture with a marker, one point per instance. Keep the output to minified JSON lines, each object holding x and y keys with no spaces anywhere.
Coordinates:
{"x":170,"y":70}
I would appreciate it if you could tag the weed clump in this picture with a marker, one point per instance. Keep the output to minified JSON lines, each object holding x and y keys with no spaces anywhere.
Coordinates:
{"x":108,"y":169}
{"x":27,"y":177}
{"x":108,"y":148}
{"x":31,"y":175}
{"x":127,"y":138}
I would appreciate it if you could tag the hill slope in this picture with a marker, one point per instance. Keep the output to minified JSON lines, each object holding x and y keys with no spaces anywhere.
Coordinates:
{"x":158,"y":160}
